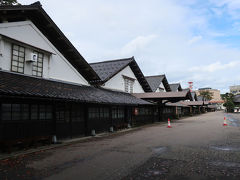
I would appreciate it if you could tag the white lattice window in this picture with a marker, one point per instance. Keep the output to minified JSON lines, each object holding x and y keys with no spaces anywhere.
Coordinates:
{"x":18,"y":56}
{"x":37,"y":67}
{"x":128,"y":85}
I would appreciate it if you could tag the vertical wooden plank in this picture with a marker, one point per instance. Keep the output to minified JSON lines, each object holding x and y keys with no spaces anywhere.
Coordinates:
{"x":54,"y":118}
{"x":125,"y":115}
{"x":110,"y":115}
{"x":70,"y":120}
{"x":86,"y":118}
{"x":0,"y":112}
{"x":160,"y":106}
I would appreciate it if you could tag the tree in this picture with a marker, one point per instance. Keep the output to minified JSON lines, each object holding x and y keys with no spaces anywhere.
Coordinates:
{"x":229,"y":104}
{"x":207,"y":95}
{"x":9,"y":2}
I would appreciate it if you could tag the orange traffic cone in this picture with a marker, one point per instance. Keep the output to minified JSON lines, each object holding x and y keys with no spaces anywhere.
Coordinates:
{"x":169,"y":124}
{"x":225,"y":122}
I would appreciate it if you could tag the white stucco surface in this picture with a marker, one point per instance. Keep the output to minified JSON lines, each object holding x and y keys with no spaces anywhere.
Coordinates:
{"x":117,"y":81}
{"x":55,"y":65}
{"x":161,"y":87}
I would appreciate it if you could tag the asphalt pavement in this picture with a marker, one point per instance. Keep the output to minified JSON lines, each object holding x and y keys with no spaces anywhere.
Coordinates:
{"x":197,"y":147}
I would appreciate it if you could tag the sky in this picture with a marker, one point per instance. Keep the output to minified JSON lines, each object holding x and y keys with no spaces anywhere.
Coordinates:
{"x":187,"y":40}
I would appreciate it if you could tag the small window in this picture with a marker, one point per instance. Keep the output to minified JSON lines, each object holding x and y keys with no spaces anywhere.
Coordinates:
{"x":120,"y":113}
{"x":77,"y":114}
{"x":101,"y":111}
{"x":34,"y":112}
{"x":114,"y":113}
{"x":18,"y":56}
{"x":106,"y":112}
{"x":37,"y":67}
{"x":93,"y":113}
{"x":16,"y":112}
{"x":48,"y":112}
{"x":25,"y":112}
{"x":60,"y":113}
{"x":117,"y":113}
{"x":6,"y":112}
{"x":141,"y":111}
{"x":42,"y":112}
{"x":131,"y":86}
{"x":128,"y":85}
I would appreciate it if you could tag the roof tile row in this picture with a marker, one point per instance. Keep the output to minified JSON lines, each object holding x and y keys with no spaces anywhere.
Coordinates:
{"x":22,"y":85}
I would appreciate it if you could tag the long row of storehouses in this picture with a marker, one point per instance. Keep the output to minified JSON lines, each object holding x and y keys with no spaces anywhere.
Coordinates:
{"x":48,"y":89}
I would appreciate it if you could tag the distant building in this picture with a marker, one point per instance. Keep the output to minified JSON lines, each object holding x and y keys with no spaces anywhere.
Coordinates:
{"x":235,"y":89}
{"x":236,"y":101}
{"x":215,"y":93}
{"x":216,"y":97}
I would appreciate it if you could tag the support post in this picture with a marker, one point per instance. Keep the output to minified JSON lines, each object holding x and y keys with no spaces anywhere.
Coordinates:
{"x":54,"y":125}
{"x":86,"y":118}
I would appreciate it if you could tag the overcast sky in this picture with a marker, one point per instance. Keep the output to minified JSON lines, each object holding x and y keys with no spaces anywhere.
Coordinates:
{"x":188,"y":40}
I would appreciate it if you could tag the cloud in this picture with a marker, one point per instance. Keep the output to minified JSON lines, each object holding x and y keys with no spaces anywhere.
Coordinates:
{"x":217,"y":11}
{"x":137,"y":44}
{"x":194,"y":39}
{"x":232,"y":7}
{"x":216,"y":34}
{"x":215,"y":67}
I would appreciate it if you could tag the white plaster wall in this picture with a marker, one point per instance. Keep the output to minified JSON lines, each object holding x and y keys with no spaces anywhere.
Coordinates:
{"x":117,"y":81}
{"x":55,"y":65}
{"x":161,"y":86}
{"x":6,"y":56}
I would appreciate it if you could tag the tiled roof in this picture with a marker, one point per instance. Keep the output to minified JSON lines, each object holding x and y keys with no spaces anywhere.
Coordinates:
{"x":178,"y":104}
{"x":37,"y":15}
{"x":155,"y":82}
{"x":13,"y":84}
{"x":195,"y":103}
{"x":174,"y":96}
{"x":175,"y":87}
{"x":107,"y":69}
{"x":217,"y":101}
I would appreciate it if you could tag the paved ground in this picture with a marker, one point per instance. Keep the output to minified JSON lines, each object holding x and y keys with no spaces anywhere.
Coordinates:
{"x":195,"y":148}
